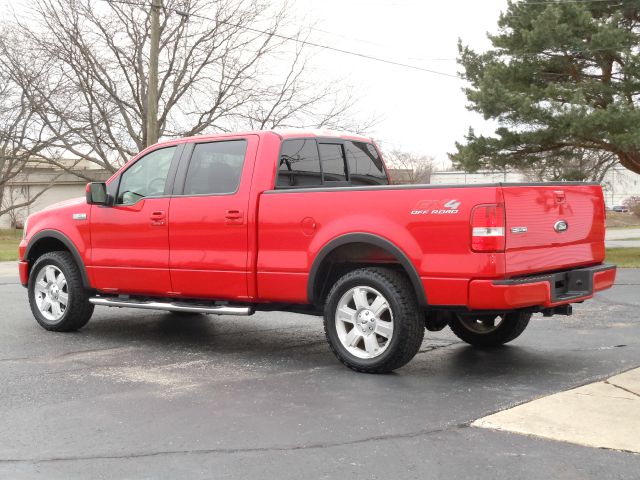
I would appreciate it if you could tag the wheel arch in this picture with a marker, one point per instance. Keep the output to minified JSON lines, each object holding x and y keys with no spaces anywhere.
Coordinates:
{"x":53,"y":240}
{"x":318,"y":273}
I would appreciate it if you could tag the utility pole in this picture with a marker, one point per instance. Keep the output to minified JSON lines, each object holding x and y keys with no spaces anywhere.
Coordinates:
{"x":152,"y":82}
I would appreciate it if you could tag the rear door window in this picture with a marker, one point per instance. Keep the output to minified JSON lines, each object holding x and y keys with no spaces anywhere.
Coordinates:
{"x":299,"y":164}
{"x":215,"y":168}
{"x":365,"y":164}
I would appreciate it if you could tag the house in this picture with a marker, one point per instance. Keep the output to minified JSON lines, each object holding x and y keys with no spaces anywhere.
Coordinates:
{"x":48,"y":186}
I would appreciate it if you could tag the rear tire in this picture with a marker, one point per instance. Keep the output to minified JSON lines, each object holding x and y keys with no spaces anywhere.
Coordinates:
{"x":372,"y":320}
{"x":57,"y":298}
{"x":482,"y":331}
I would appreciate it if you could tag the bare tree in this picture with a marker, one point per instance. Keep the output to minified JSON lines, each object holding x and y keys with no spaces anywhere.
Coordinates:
{"x":24,"y":142}
{"x":573,"y":165}
{"x":409,"y":168}
{"x":222,"y":65}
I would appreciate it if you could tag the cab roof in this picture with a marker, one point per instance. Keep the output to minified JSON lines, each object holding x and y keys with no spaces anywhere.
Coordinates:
{"x":282,"y":133}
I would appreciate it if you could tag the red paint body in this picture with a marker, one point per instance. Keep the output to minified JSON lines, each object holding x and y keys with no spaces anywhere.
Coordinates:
{"x":259,"y":244}
{"x":130,"y":249}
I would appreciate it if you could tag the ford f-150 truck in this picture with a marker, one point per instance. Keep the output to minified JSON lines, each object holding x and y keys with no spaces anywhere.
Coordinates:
{"x":308,"y":222}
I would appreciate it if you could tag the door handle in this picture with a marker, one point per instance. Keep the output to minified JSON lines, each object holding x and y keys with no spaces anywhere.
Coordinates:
{"x":234,"y":217}
{"x":158,"y":218}
{"x":233,"y":214}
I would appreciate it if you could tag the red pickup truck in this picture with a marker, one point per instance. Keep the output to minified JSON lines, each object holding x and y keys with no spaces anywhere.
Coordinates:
{"x":303,"y":222}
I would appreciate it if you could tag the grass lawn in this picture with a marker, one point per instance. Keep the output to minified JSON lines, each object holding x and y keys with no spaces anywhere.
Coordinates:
{"x":617,"y":220}
{"x":9,"y":240}
{"x":624,"y":257}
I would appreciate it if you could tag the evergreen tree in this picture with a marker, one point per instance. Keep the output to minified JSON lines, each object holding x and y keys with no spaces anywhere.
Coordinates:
{"x":562,"y":77}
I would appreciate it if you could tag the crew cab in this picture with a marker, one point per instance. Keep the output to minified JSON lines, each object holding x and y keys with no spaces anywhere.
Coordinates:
{"x":308,"y":222}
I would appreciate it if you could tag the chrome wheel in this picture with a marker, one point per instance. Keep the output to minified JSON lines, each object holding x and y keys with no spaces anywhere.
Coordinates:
{"x":51,"y":293}
{"x":482,"y":324}
{"x":364,"y":322}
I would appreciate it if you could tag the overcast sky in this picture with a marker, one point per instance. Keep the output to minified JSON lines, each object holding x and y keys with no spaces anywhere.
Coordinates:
{"x":421,"y":112}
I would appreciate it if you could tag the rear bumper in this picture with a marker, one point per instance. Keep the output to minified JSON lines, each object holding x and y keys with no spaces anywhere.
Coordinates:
{"x":547,"y":290}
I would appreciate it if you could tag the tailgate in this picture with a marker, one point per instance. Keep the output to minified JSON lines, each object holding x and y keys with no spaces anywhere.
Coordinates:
{"x":553,"y":227}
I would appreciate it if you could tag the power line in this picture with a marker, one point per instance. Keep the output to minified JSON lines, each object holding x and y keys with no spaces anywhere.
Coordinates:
{"x":377,"y":44}
{"x":303,"y":42}
{"x":381,"y":45}
{"x":358,"y":54}
{"x":327,"y":47}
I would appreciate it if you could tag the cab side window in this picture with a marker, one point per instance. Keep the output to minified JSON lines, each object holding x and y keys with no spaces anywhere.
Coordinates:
{"x":215,"y":168}
{"x":147,"y":177}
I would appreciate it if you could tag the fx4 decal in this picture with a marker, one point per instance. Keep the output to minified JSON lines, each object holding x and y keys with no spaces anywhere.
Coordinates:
{"x":436,"y":207}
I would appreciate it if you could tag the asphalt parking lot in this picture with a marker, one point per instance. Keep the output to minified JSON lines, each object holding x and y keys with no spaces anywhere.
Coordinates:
{"x":148,"y":395}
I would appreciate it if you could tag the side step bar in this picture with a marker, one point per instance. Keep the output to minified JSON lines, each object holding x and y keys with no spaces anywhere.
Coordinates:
{"x":175,"y":307}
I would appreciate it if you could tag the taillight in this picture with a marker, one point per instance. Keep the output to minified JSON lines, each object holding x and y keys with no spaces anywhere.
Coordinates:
{"x":487,"y":228}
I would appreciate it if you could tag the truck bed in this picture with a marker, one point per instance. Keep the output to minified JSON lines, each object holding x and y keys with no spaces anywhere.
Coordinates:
{"x":436,"y":237}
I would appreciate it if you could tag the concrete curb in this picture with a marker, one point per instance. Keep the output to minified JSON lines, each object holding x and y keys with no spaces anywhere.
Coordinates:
{"x":603,"y":414}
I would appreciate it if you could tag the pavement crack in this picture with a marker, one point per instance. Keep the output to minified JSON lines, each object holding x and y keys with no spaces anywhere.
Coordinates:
{"x":227,"y":451}
{"x":93,"y":350}
{"x":583,"y":394}
{"x":437,"y":347}
{"x":63,"y":356}
{"x":302,"y":345}
{"x":16,"y":359}
{"x":622,"y":388}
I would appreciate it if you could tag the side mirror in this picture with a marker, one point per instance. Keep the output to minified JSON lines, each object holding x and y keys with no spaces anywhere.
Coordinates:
{"x":97,"y":193}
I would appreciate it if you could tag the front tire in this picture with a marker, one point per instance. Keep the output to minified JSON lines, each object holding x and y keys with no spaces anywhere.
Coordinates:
{"x":372,"y":320}
{"x":57,"y":297}
{"x":489,"y":330}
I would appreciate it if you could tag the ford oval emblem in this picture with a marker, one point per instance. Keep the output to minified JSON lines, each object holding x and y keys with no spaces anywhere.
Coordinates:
{"x":561,"y":226}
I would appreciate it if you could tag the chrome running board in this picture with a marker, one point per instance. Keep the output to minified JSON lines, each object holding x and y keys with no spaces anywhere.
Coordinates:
{"x":175,"y":307}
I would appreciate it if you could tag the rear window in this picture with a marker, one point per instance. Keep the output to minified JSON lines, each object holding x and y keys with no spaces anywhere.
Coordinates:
{"x":309,"y":163}
{"x":365,"y":165}
{"x":299,"y":164}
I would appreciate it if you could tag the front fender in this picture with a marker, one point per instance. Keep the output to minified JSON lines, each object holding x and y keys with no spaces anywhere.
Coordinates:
{"x":37,"y":241}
